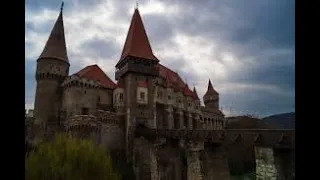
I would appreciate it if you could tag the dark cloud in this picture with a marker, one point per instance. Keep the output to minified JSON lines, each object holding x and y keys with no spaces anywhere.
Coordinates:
{"x":159,"y":28}
{"x":35,"y":5}
{"x":97,"y":47}
{"x":262,"y":30}
{"x":258,"y":102}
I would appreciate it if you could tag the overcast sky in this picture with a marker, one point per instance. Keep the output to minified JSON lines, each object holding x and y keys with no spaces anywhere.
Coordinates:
{"x":246,"y":47}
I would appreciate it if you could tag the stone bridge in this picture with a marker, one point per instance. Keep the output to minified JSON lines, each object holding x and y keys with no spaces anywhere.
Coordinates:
{"x":275,"y":138}
{"x":205,"y":154}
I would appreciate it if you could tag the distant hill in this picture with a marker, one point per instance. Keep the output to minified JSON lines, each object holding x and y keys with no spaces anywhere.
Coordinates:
{"x":246,"y":122}
{"x":245,"y":163}
{"x":282,"y":121}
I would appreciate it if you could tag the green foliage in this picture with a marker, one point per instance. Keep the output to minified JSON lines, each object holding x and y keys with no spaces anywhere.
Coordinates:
{"x":246,"y":176}
{"x":72,"y":159}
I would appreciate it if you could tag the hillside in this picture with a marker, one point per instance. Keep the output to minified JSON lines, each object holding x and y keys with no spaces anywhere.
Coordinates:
{"x":282,"y":121}
{"x":246,"y":122}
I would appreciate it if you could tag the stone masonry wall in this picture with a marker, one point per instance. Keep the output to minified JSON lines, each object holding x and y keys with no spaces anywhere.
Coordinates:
{"x":266,"y":168}
{"x":144,"y":160}
{"x":194,"y":168}
{"x":111,"y":137}
{"x":214,"y":163}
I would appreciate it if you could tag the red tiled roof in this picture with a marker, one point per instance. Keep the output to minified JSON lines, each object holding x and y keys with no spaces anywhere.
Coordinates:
{"x":137,"y":42}
{"x":168,"y":83}
{"x":142,"y":84}
{"x":187,"y":91}
{"x":210,"y":90}
{"x":56,"y":44}
{"x":171,"y":78}
{"x":94,"y":72}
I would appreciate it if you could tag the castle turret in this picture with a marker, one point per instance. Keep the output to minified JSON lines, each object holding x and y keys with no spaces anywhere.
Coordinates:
{"x":196,"y":98}
{"x":52,"y":69}
{"x":211,"y":97}
{"x":137,"y":65}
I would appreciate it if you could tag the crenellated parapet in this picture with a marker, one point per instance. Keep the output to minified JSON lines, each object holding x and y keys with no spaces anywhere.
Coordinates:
{"x":75,"y":81}
{"x":49,"y":76}
{"x":107,"y":117}
{"x":83,"y":126}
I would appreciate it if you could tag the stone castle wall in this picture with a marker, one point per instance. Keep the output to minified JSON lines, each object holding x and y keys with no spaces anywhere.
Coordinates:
{"x":274,"y":164}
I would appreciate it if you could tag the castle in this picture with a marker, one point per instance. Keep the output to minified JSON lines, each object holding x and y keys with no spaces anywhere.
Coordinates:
{"x":183,"y":140}
{"x":145,"y":92}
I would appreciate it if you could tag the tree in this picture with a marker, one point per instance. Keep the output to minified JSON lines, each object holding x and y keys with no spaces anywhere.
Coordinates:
{"x":67,"y":158}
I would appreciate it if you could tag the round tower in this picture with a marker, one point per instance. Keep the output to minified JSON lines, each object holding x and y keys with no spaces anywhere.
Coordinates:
{"x":52,"y":69}
{"x":211,"y":97}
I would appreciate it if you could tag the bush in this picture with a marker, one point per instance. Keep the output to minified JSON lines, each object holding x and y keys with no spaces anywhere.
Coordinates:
{"x":68,"y":159}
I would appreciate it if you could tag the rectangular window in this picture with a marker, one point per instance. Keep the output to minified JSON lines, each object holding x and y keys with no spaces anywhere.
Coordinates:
{"x":85,"y":111}
{"x":142,"y":94}
{"x":121,"y":96}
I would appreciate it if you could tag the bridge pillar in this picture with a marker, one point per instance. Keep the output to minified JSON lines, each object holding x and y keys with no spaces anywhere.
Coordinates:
{"x":193,"y":161}
{"x":145,"y":164}
{"x":214,"y":163}
{"x":274,"y":164}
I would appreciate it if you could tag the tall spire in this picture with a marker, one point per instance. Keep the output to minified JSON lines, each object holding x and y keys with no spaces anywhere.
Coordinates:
{"x":137,"y":42}
{"x":195,"y":94}
{"x":210,"y":90}
{"x":56,"y":43}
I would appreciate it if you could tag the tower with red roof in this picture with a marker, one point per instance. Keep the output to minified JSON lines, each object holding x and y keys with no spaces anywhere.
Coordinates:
{"x":211,"y":97}
{"x":52,"y":69}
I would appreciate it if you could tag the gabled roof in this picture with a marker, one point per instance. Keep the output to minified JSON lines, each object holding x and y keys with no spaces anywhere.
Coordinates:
{"x":137,"y":42}
{"x":56,"y":43}
{"x":210,"y":90}
{"x":94,"y":72}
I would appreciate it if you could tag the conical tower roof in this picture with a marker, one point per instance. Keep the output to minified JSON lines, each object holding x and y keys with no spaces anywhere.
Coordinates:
{"x":210,"y":90}
{"x":195,"y":94}
{"x":137,"y":42}
{"x":56,"y":43}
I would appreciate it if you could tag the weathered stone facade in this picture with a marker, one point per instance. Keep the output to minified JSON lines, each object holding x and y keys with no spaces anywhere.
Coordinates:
{"x":88,"y":104}
{"x":274,"y":164}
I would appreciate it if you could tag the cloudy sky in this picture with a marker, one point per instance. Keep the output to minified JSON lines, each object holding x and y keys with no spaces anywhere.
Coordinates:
{"x":246,"y":47}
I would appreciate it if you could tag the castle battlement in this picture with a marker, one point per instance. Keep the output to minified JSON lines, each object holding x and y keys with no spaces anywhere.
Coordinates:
{"x":106,"y":117}
{"x":80,"y":81}
{"x":82,"y":121}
